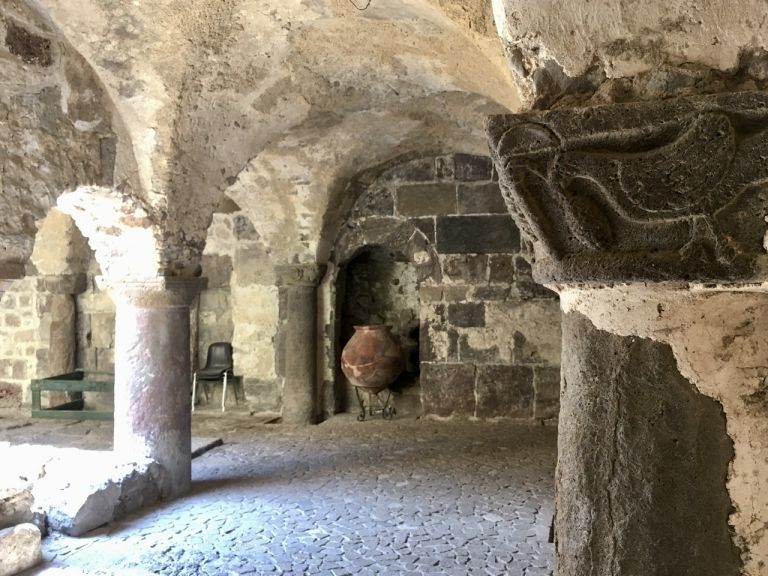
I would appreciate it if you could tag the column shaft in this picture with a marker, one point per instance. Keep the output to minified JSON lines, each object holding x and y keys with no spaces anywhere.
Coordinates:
{"x":298,"y":311}
{"x":153,"y":380}
{"x":642,"y":462}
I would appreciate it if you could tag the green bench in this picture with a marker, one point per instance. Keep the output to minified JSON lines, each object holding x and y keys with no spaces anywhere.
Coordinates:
{"x":75,"y":383}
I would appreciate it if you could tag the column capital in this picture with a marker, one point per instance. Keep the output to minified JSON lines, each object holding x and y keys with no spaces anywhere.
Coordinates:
{"x":160,"y":292}
{"x":675,"y":190}
{"x":299,"y":274}
{"x":62,"y":283}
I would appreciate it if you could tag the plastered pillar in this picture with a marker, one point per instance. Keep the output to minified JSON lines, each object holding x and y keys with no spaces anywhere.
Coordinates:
{"x":718,"y":339}
{"x":152,"y":376}
{"x":297,"y":342}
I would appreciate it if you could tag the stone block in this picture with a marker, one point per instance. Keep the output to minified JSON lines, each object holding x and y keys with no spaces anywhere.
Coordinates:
{"x":429,"y":294}
{"x":421,"y":170}
{"x":483,"y":198}
{"x":467,"y":315}
{"x":468,"y":167}
{"x":477,"y":235}
{"x":15,"y":506}
{"x":444,"y":168}
{"x":476,"y":354}
{"x":110,"y":491}
{"x":528,"y":290}
{"x":501,"y":269}
{"x":20,"y":549}
{"x":455,"y":293}
{"x":492,"y":292}
{"x":102,"y":330}
{"x":546,"y":383}
{"x":466,"y":268}
{"x":10,"y":395}
{"x":448,"y":389}
{"x":376,"y":200}
{"x":218,"y":269}
{"x":426,"y":226}
{"x":8,"y":301}
{"x":12,"y":321}
{"x":426,"y":199}
{"x":505,"y":391}
{"x":523,"y":270}
{"x":20,"y":370}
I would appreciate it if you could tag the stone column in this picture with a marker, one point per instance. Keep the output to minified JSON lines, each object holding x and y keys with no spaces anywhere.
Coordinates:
{"x":649,"y":220}
{"x":152,"y":376}
{"x":57,"y":343}
{"x":297,"y":342}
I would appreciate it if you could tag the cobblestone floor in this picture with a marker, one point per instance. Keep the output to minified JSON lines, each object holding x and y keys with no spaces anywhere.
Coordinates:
{"x":403,"y":497}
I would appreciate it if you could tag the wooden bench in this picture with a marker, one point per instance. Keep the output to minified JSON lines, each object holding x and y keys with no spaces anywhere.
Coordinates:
{"x":76,"y":383}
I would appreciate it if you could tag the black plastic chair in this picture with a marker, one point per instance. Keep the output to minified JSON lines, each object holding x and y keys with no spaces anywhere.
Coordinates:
{"x":218,"y":367}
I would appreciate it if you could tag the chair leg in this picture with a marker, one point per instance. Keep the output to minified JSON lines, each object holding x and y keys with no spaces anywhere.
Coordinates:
{"x":194,"y":390}
{"x":224,"y":393}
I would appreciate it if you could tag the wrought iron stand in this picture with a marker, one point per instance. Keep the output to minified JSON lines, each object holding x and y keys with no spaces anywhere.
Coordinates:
{"x":375,"y":404}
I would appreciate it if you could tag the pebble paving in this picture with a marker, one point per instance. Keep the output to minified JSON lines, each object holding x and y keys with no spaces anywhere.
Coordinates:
{"x":408,"y":497}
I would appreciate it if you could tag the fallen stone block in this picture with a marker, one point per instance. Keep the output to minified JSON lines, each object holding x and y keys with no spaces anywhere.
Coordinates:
{"x":20,"y":549}
{"x":107,"y":493}
{"x":15,"y":506}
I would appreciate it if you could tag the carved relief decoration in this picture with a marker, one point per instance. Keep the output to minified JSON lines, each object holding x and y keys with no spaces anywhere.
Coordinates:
{"x":670,"y":190}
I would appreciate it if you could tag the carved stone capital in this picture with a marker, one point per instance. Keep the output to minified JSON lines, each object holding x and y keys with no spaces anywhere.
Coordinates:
{"x":299,"y":274}
{"x":675,"y":190}
{"x":161,"y":292}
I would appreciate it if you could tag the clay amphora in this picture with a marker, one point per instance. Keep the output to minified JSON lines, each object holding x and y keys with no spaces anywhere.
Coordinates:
{"x":372,"y":359}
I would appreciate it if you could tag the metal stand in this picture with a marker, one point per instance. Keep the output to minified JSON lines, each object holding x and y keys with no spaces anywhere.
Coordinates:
{"x":376,"y":404}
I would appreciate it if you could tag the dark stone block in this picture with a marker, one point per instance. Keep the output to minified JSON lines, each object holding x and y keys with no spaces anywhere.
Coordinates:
{"x":469,"y":268}
{"x":426,"y":199}
{"x":477,"y":235}
{"x":32,"y":49}
{"x":501,"y":269}
{"x":376,"y":201}
{"x":448,"y":389}
{"x":468,"y":167}
{"x":481,"y":199}
{"x":421,"y":170}
{"x":523,"y":270}
{"x":504,"y":391}
{"x":530,"y":290}
{"x":492,"y":292}
{"x":427,"y":227}
{"x":477,"y":355}
{"x":546,"y":383}
{"x":467,"y":315}
{"x":108,"y":154}
{"x":444,"y":168}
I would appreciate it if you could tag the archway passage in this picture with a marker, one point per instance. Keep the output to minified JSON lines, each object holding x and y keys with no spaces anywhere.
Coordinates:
{"x":489,"y":336}
{"x":381,"y":287}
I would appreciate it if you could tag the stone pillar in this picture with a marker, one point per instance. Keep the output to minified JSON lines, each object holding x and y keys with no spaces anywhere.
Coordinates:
{"x":297,"y":342}
{"x":57,"y":348}
{"x":649,"y":220}
{"x":153,"y":377}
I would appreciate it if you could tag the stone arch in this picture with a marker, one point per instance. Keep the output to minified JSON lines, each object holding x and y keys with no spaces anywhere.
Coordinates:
{"x":489,"y":335}
{"x":63,"y":130}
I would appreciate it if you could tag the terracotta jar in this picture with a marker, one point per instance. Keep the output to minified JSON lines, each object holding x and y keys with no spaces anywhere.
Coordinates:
{"x":372,"y":359}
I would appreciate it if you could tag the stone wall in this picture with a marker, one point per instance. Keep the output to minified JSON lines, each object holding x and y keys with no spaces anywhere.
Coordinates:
{"x":490,"y":336}
{"x":241,"y":305}
{"x":18,"y":330}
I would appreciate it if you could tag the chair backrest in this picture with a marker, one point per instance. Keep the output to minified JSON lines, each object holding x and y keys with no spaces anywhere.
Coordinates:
{"x":219,"y":355}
